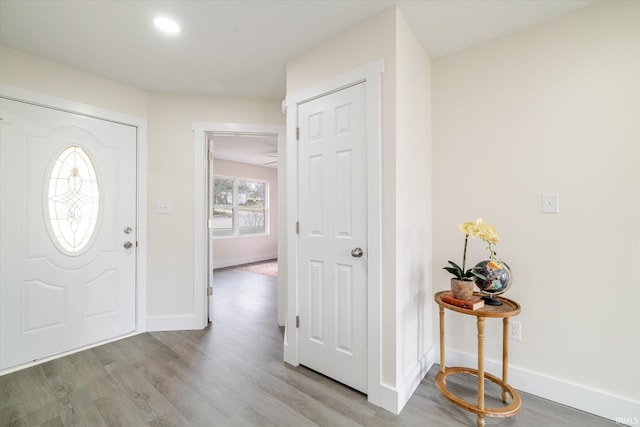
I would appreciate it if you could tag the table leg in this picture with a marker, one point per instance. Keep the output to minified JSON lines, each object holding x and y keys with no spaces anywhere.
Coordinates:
{"x":441,"y":339}
{"x":505,"y":358}
{"x":480,"y":369}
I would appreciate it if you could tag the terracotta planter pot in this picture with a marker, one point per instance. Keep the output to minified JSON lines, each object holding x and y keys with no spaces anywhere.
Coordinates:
{"x":462,"y":289}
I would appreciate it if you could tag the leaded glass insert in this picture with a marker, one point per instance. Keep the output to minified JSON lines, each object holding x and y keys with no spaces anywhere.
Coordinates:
{"x":74,"y":199}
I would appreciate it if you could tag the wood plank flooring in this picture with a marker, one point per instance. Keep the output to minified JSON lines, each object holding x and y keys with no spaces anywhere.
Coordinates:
{"x":230,"y":374}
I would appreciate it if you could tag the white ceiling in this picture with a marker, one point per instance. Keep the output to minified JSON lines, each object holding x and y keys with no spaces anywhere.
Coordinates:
{"x":239,"y":47}
{"x":255,"y":149}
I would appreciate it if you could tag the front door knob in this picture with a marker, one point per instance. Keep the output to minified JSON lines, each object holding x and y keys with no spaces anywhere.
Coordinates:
{"x":127,"y":245}
{"x":356,"y":252}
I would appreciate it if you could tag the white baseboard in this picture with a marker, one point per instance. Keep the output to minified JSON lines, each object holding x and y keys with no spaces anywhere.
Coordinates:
{"x":64,"y":353}
{"x":174,"y":323}
{"x":617,"y":409}
{"x":244,"y":260}
{"x":389,"y":399}
{"x":394,"y":399}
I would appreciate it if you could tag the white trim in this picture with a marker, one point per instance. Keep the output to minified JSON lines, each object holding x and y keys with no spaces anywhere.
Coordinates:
{"x":63,"y":354}
{"x":415,"y":376}
{"x":290,"y":345}
{"x":141,"y":125}
{"x":69,"y":106}
{"x":141,"y":303}
{"x":564,"y":392}
{"x":200,"y":231}
{"x":244,"y":260}
{"x":282,"y":231}
{"x":394,"y":399}
{"x":173,"y":322}
{"x":370,"y":74}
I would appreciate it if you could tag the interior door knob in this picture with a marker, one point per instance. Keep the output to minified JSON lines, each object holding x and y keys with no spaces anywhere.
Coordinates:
{"x":356,"y":252}
{"x":127,"y":245}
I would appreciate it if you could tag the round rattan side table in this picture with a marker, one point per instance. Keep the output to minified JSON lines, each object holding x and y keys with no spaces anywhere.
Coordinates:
{"x":509,"y":308}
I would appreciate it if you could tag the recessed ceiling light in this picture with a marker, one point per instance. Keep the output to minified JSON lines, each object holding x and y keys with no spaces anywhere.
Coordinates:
{"x":166,"y":25}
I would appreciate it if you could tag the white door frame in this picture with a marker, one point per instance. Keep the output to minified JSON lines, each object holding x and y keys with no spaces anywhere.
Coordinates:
{"x":23,"y":95}
{"x":202,"y":262}
{"x":370,"y":75}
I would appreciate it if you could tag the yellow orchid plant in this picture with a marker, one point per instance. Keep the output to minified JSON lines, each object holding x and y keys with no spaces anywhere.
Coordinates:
{"x":484,"y":232}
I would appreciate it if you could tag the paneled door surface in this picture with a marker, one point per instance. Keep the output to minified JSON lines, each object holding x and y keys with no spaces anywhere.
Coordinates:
{"x":333,"y":236}
{"x":68,"y":231}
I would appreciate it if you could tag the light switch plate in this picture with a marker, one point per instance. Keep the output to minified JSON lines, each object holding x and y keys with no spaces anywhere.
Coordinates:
{"x":550,"y":203}
{"x":164,"y":207}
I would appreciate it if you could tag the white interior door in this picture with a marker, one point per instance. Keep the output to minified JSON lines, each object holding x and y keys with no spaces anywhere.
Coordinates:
{"x":210,"y":206}
{"x":333,"y":236}
{"x":68,"y":209}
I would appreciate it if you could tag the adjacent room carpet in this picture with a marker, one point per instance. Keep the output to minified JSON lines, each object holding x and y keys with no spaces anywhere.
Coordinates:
{"x":269,"y":268}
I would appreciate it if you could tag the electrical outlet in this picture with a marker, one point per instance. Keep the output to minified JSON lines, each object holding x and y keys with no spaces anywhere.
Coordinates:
{"x":515,"y":332}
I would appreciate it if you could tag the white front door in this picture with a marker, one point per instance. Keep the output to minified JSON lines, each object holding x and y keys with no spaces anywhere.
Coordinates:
{"x":68,"y":231}
{"x":333,"y":236}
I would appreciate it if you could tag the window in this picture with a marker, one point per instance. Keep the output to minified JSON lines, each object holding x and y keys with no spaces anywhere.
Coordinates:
{"x":239,"y":207}
{"x":73,"y":200}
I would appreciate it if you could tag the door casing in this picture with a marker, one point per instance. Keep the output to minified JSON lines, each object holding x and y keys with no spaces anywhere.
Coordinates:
{"x":23,"y":95}
{"x":201,"y":240}
{"x":370,"y":75}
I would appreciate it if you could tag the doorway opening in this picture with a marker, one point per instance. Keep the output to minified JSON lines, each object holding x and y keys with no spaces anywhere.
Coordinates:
{"x":242,"y":200}
{"x":239,"y":214}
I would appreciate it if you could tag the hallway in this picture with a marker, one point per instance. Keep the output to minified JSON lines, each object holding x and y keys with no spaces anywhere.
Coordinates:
{"x":230,"y":374}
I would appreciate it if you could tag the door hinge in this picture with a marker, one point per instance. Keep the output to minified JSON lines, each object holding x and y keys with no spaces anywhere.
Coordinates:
{"x":297,"y":134}
{"x":136,"y":243}
{"x":209,"y":291}
{"x":297,"y":227}
{"x":297,"y":321}
{"x":210,"y":155}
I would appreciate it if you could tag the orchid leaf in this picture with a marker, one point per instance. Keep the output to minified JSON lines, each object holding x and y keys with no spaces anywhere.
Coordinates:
{"x":453,"y":271}
{"x":456,"y":266}
{"x":479,"y":275}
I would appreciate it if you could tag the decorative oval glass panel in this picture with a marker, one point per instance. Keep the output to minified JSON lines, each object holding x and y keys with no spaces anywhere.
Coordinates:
{"x":74,"y":200}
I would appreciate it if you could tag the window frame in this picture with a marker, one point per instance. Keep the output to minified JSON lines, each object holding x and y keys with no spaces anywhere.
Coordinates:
{"x":236,"y":207}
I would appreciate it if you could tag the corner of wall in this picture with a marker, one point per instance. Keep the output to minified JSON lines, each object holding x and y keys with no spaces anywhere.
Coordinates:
{"x":394,"y":399}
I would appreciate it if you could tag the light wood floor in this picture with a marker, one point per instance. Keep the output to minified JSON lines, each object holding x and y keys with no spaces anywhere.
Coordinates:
{"x":230,"y":374}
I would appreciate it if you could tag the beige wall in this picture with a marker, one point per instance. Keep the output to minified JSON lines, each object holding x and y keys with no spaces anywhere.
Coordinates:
{"x":241,"y":250}
{"x":50,"y":78}
{"x":171,"y":177}
{"x":170,"y":146}
{"x":554,"y":108}
{"x":413,"y":194}
{"x":405,"y":311}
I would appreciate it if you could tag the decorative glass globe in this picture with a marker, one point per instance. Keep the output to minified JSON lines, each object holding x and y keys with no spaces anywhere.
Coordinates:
{"x":498,"y":279}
